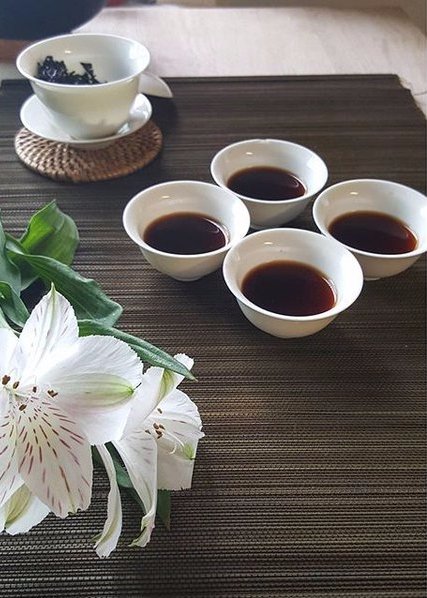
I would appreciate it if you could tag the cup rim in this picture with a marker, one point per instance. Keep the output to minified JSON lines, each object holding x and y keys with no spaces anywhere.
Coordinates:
{"x":138,"y":240}
{"x":230,"y":280}
{"x":419,"y":250}
{"x":53,"y":85}
{"x":255,"y":200}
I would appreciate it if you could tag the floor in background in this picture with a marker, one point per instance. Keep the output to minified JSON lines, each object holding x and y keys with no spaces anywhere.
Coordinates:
{"x":197,"y":42}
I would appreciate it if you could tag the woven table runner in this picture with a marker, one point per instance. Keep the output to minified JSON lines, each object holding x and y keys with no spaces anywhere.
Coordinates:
{"x":310,"y":480}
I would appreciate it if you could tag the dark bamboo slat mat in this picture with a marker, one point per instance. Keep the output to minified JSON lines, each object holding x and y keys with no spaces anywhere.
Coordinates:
{"x":310,"y":481}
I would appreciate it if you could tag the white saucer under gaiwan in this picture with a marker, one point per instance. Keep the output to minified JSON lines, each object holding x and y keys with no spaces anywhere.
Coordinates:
{"x":36,"y":119}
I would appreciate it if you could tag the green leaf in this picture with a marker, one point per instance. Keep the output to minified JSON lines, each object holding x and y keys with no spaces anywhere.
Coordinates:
{"x":12,"y":305}
{"x":164,"y":507}
{"x":145,"y":351}
{"x":3,"y":322}
{"x":51,"y":233}
{"x":84,"y":294}
{"x":14,"y":245}
{"x":9,"y":272}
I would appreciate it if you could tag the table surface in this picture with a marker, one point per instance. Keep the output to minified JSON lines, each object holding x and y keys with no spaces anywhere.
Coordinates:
{"x":310,"y":480}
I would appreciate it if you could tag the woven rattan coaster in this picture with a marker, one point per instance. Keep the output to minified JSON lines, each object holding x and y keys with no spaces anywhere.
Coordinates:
{"x":61,"y":162}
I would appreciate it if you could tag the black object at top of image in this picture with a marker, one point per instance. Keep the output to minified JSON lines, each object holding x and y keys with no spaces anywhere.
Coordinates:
{"x":37,"y":19}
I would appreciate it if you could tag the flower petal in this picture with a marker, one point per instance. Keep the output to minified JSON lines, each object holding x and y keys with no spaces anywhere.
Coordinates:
{"x":139,"y":454}
{"x":145,"y":400}
{"x":171,"y":380}
{"x":10,"y":480}
{"x":95,"y":384}
{"x":156,"y":384}
{"x":46,"y":338}
{"x":22,"y":511}
{"x":100,"y":355}
{"x":8,"y":342}
{"x":174,"y":471}
{"x":107,"y":540}
{"x":176,"y":425}
{"x":54,"y":458}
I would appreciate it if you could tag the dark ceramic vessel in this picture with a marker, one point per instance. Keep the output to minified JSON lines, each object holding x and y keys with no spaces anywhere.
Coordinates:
{"x":36,"y":19}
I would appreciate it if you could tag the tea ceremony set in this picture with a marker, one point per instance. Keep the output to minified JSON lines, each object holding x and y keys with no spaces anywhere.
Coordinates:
{"x":79,"y":395}
{"x":261,"y":184}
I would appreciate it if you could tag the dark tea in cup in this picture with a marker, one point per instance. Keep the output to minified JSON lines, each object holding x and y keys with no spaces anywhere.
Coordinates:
{"x":185,"y":233}
{"x":266,"y":183}
{"x":375,"y":232}
{"x":289,"y":288}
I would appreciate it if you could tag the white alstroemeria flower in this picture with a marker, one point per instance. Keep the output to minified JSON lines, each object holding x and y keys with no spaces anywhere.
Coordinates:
{"x":158,"y":448}
{"x":58,"y":395}
{"x":176,"y":425}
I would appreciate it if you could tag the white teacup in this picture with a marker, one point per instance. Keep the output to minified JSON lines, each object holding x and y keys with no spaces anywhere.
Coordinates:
{"x":385,"y":197}
{"x":325,"y":255}
{"x":277,"y":153}
{"x":193,"y":197}
{"x":91,"y":111}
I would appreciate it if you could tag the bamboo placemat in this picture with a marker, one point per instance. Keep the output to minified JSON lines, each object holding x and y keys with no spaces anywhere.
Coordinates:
{"x":310,"y":481}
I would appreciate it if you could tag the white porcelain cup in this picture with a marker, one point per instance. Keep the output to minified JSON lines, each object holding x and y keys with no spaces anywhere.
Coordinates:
{"x":91,"y":111}
{"x":194,"y":197}
{"x":375,"y":195}
{"x":327,"y":256}
{"x":297,"y":159}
